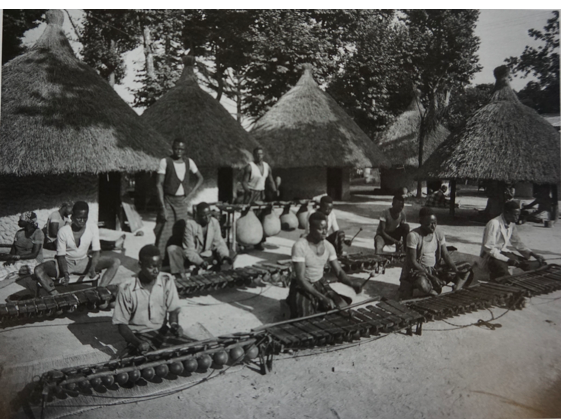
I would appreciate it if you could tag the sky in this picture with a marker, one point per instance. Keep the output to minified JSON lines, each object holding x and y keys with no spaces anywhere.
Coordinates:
{"x":503,"y":33}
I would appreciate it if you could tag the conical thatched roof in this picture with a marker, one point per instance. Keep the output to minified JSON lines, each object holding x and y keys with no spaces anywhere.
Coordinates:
{"x":212,"y":136}
{"x":308,"y":128}
{"x":400,"y":140}
{"x":59,"y":116}
{"x":504,"y":140}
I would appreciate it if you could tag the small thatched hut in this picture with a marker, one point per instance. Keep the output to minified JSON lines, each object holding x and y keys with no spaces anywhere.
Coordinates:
{"x":216,"y":142}
{"x":503,"y":141}
{"x":313,"y":143}
{"x":400,"y":142}
{"x":65,"y":134}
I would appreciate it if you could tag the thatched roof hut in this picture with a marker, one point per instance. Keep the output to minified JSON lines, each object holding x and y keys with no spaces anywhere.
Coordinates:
{"x":213,"y":137}
{"x":60,"y":117}
{"x":307,"y":128}
{"x":400,"y":140}
{"x":503,"y":141}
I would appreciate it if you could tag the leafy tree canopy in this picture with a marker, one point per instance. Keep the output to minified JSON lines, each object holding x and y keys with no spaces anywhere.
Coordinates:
{"x":15,"y":23}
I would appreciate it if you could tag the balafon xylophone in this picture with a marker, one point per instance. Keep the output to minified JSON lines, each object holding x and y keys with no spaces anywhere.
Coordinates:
{"x":90,"y":299}
{"x":358,"y":262}
{"x":540,"y":281}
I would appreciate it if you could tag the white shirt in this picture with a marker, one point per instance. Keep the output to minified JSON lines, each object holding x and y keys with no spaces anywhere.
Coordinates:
{"x":257,"y":179}
{"x":332,"y":223}
{"x":497,"y":236}
{"x":314,"y":264}
{"x":180,"y":171}
{"x":66,"y":246}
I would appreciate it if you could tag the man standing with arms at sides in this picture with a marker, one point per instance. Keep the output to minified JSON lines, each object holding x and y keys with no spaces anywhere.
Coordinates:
{"x":255,"y":175}
{"x":174,"y":193}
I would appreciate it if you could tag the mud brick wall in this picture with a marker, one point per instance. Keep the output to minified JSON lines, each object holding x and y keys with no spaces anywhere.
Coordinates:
{"x":42,"y":195}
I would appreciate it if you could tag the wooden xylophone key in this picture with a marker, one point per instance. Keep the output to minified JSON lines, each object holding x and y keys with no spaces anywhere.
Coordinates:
{"x":463,"y":305}
{"x":469,"y":301}
{"x":400,"y":310}
{"x":290,"y":336}
{"x":200,"y":282}
{"x":374,"y":325}
{"x":399,"y":322}
{"x":321,"y":337}
{"x":12,"y":310}
{"x":224,"y":279}
{"x":389,"y":324}
{"x":337,"y":333}
{"x":81,"y":297}
{"x":184,"y":286}
{"x":350,"y":328}
{"x":384,"y":324}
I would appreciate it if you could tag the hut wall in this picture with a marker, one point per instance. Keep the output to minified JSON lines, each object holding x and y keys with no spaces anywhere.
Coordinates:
{"x":42,"y":195}
{"x":209,"y":190}
{"x":524,"y":190}
{"x":392,"y":180}
{"x":346,"y":187}
{"x":302,"y":183}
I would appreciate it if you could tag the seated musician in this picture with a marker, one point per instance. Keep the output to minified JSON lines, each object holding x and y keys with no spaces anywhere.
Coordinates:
{"x":543,"y":211}
{"x":335,"y":236}
{"x":393,"y":227}
{"x":73,"y":244}
{"x":144,"y":302}
{"x":202,"y":243}
{"x":438,"y":198}
{"x":425,"y":249}
{"x":309,"y":291}
{"x":57,"y":219}
{"x":26,"y":250}
{"x":499,"y":233}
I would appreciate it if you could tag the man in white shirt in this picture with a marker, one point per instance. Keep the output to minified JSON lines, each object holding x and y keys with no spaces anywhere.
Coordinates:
{"x":73,"y":243}
{"x":334,"y":235}
{"x":174,"y":192}
{"x":499,"y":233}
{"x":255,"y":175}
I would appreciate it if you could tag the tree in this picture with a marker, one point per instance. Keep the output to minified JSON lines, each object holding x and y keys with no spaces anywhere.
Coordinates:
{"x":544,"y":63}
{"x":464,"y":103}
{"x":105,"y":36}
{"x":15,"y":22}
{"x":440,"y":55}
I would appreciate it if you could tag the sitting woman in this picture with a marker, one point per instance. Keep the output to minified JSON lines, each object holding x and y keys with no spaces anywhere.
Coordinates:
{"x":310,"y":292}
{"x":27,"y":249}
{"x":544,"y":210}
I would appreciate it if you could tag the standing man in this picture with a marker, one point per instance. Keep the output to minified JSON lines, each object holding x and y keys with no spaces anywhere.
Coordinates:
{"x":144,"y":302}
{"x":425,"y":247}
{"x":499,"y":233}
{"x":393,"y":228}
{"x":255,"y":175}
{"x":334,"y":234}
{"x":73,"y":244}
{"x":172,"y":185}
{"x":202,"y":243}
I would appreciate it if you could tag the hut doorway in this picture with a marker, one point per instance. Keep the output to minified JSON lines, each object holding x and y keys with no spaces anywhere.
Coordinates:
{"x":225,"y":184}
{"x":335,"y":182}
{"x":109,"y":196}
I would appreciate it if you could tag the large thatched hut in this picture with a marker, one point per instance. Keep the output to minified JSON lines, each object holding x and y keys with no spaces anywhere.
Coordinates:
{"x":312,"y":143}
{"x":216,"y":142}
{"x":400,"y":142}
{"x":503,"y":141}
{"x":65,"y":134}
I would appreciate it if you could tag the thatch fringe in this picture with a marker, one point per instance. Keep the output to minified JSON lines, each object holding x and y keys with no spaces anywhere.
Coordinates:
{"x":504,"y":140}
{"x":59,"y":116}
{"x":213,"y":137}
{"x":307,"y":128}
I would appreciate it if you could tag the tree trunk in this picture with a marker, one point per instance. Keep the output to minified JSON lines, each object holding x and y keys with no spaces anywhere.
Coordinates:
{"x":111,"y":77}
{"x":148,"y":52}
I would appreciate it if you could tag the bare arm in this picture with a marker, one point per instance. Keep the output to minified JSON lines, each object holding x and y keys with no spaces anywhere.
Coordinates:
{"x":382,"y":231}
{"x":160,"y":192}
{"x":271,"y":181}
{"x":299,"y":268}
{"x":53,"y":229}
{"x":447,"y":258}
{"x":63,"y":269}
{"x":129,"y":336}
{"x":197,"y":185}
{"x":412,"y":257}
{"x":246,"y":178}
{"x":342,"y":277}
{"x":95,"y":259}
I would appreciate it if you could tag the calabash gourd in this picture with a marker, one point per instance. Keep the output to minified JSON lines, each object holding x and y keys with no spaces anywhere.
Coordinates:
{"x":271,"y":223}
{"x":249,"y":230}
{"x":302,"y":216}
{"x":289,"y":221}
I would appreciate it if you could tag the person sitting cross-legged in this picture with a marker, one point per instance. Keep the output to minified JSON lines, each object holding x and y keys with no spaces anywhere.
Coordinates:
{"x":335,"y":235}
{"x":393,"y":228}
{"x":73,"y":244}
{"x":203,"y":244}
{"x":310,"y":292}
{"x":148,"y":306}
{"x":425,"y":248}
{"x":498,"y":234}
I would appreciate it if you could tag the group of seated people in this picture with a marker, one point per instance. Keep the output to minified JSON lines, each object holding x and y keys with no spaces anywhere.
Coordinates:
{"x":147,"y":304}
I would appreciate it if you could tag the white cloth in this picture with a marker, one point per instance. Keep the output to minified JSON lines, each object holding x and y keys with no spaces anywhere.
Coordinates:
{"x":332,"y":223}
{"x":498,"y":234}
{"x":257,"y":179}
{"x":66,"y":246}
{"x":314,"y":264}
{"x":180,"y":171}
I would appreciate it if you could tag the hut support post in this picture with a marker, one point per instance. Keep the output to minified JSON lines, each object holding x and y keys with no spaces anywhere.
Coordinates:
{"x":453,"y":186}
{"x":555,"y":197}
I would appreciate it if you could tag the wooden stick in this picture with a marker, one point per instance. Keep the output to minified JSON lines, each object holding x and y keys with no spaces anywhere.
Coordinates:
{"x":324,"y":313}
{"x":353,"y":238}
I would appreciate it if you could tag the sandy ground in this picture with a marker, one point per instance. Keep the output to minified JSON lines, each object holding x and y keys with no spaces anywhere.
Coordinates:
{"x":454,"y":369}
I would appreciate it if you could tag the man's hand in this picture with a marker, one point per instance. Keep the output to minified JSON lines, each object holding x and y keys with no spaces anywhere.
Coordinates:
{"x":328,"y":303}
{"x":176,"y":329}
{"x":358,"y":288}
{"x":92,"y":273}
{"x":540,"y":259}
{"x":143,"y":347}
{"x":204,"y":265}
{"x":163,"y":213}
{"x":513,"y":262}
{"x":65,"y":280}
{"x":347,"y":242}
{"x":227,"y":260}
